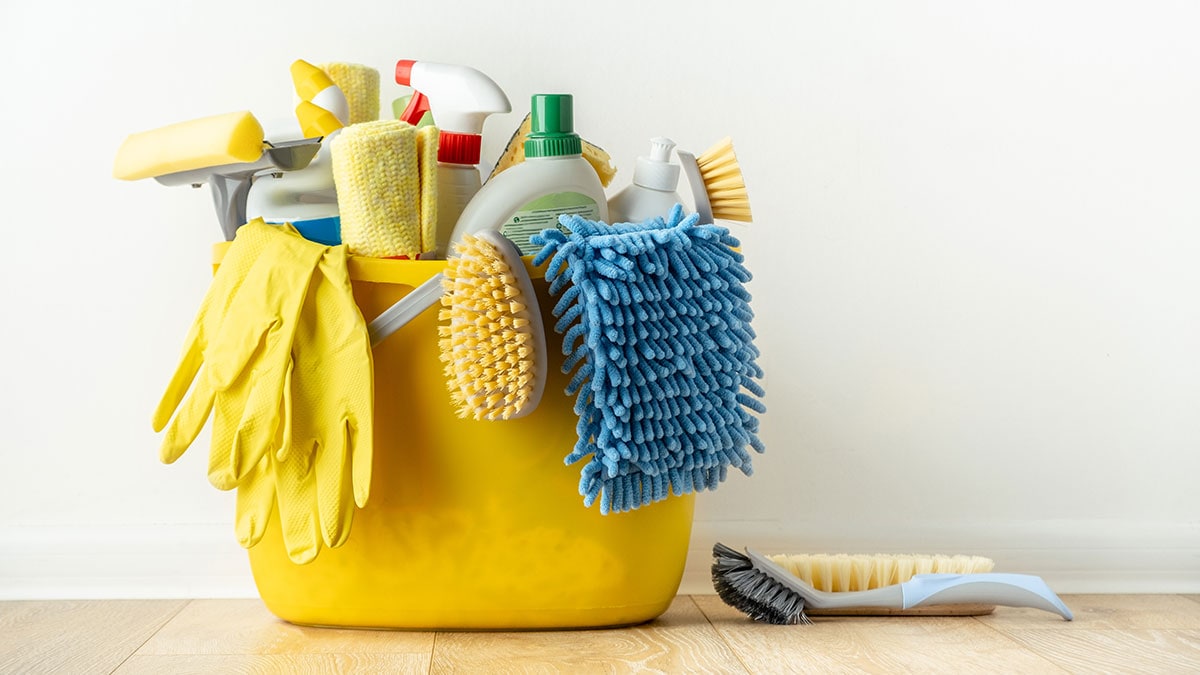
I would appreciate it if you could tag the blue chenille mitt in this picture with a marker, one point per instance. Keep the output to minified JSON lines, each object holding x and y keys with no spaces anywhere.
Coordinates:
{"x":655,"y":320}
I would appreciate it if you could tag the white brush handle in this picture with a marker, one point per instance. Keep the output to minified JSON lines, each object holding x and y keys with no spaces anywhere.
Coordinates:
{"x":1009,"y":590}
{"x":406,"y":309}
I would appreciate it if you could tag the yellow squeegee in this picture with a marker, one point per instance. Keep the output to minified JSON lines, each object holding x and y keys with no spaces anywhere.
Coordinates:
{"x":196,"y":144}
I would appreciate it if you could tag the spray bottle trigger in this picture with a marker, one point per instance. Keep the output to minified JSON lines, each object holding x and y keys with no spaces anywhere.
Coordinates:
{"x":418,"y":105}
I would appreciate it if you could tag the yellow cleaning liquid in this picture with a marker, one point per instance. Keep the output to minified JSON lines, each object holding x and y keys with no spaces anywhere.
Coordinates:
{"x":473,"y":524}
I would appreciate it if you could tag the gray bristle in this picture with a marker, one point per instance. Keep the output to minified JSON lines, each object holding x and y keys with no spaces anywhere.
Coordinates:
{"x":754,"y":592}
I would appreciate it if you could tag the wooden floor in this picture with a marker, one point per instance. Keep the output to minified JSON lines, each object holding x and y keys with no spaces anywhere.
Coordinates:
{"x":1111,"y":633}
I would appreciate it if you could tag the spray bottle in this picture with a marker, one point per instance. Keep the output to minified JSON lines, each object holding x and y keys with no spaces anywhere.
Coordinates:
{"x":652,"y":193}
{"x":460,"y":99}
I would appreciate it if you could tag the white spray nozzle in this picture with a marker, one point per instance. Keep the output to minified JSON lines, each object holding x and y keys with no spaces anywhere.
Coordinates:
{"x":459,"y":97}
{"x":656,"y":172}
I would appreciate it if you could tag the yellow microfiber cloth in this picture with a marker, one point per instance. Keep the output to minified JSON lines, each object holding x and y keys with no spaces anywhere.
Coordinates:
{"x":360,"y":84}
{"x":196,"y":144}
{"x":427,"y":151}
{"x":377,"y":175}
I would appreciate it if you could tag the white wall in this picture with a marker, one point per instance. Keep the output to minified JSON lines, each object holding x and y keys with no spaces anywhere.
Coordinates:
{"x":975,"y":252}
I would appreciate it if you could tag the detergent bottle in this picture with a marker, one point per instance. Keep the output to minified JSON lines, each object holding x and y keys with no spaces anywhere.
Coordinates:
{"x":652,"y":193}
{"x":460,"y":99}
{"x":554,"y":179}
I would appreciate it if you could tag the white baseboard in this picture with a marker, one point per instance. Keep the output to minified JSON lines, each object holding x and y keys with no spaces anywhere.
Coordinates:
{"x":205,"y":561}
{"x":1073,"y":556}
{"x":150,"y":561}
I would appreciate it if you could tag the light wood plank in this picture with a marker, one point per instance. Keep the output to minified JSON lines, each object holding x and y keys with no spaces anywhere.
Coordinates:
{"x":248,"y":627}
{"x":1104,"y":612}
{"x":77,"y":636}
{"x":1116,"y":651}
{"x":298,"y":664}
{"x":679,"y":641}
{"x":872,"y":645}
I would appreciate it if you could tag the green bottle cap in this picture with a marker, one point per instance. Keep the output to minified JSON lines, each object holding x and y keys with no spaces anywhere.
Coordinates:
{"x":552,"y":127}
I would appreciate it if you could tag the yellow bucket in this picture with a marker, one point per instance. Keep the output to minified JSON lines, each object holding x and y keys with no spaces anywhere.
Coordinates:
{"x":473,"y":525}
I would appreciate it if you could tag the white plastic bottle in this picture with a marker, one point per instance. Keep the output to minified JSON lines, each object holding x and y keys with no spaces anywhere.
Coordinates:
{"x":460,"y":99}
{"x":652,"y":193}
{"x":554,"y":179}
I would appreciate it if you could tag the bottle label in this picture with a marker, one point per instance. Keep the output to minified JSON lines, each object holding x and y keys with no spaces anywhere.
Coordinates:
{"x":542,"y":213}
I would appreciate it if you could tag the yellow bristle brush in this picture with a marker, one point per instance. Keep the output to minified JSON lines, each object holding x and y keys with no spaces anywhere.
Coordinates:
{"x":492,"y":338}
{"x":841,"y":573}
{"x":717,"y":184}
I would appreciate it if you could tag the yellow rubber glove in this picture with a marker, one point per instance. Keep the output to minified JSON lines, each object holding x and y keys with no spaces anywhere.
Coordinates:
{"x":326,"y":469}
{"x":238,"y":353}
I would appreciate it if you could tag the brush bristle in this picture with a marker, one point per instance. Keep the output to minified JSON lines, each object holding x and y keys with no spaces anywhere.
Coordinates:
{"x":487,"y":340}
{"x":753,"y":592}
{"x":842,"y":572}
{"x":723,"y":182}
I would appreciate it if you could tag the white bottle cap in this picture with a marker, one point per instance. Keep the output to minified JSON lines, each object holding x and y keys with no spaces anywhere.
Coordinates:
{"x":656,"y":171}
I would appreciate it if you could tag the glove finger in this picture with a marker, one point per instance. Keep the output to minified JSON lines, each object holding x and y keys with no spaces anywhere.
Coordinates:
{"x":361,"y":447}
{"x":181,"y":380}
{"x":295,"y":496}
{"x":283,"y":435}
{"x":335,"y":501}
{"x":255,"y":501}
{"x":188,"y":423}
{"x":259,"y":430}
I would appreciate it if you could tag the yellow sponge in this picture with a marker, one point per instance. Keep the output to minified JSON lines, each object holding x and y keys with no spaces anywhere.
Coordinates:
{"x":427,"y":151}
{"x":195,"y":144}
{"x":360,"y":84}
{"x":514,"y":153}
{"x":378,"y":180}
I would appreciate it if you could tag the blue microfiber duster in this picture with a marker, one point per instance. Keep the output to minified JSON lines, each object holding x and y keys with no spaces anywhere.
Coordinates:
{"x":656,"y":318}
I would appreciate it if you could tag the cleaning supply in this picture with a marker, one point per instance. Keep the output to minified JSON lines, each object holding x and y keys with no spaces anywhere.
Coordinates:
{"x":460,"y":99}
{"x":323,"y":470}
{"x":652,"y":193}
{"x":655,"y":320}
{"x":197,"y":144}
{"x":318,"y":94}
{"x":307,"y":199}
{"x":223,"y":151}
{"x":514,"y":154}
{"x":553,"y":180}
{"x":842,"y":572}
{"x":360,"y":86}
{"x":718,"y":188}
{"x":492,"y":340}
{"x":279,"y":354}
{"x":766,"y":592}
{"x":377,"y":172}
{"x":238,"y":353}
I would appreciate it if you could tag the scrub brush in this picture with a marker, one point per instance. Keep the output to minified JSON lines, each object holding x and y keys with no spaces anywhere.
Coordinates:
{"x":717,"y":184}
{"x":760,"y":588}
{"x":494,"y":345}
{"x":492,"y":339}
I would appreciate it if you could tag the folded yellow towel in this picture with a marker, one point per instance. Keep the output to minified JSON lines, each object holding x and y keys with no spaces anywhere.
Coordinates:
{"x":360,"y":84}
{"x":427,"y":151}
{"x":377,"y":175}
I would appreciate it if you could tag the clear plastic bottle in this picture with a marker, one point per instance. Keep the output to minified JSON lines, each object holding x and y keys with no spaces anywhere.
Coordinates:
{"x":554,"y":179}
{"x":653,"y":191}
